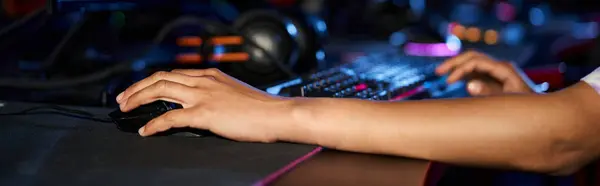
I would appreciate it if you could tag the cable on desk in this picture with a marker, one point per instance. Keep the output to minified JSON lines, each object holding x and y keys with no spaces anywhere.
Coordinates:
{"x":49,"y":61}
{"x":76,"y":81}
{"x":22,"y":21}
{"x":58,"y":110}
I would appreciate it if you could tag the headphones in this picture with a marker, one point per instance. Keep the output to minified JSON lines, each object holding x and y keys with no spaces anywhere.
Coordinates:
{"x":293,"y":43}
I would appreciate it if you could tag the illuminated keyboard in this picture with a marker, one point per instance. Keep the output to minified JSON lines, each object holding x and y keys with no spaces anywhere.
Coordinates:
{"x":382,"y":76}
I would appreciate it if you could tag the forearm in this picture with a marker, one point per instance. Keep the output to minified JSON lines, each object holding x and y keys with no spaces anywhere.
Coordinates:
{"x":507,"y":131}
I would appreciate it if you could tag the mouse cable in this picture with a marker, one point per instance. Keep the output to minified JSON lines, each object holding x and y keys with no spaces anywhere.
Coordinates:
{"x":58,"y":110}
{"x":128,"y":66}
{"x":22,"y":21}
{"x":49,"y":61}
{"x":119,"y":68}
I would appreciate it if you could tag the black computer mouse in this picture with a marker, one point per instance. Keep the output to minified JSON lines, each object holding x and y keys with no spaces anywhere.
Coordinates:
{"x":133,"y":120}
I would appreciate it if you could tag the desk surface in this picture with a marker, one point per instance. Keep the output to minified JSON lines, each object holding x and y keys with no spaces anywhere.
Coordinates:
{"x":353,"y":169}
{"x":56,"y":150}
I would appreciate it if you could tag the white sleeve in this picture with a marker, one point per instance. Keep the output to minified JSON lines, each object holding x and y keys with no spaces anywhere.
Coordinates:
{"x":593,"y":79}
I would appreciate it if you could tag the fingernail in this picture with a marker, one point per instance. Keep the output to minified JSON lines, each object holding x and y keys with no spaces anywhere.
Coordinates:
{"x":475,"y":87}
{"x":119,"y":97}
{"x":122,"y":106}
{"x":141,"y":131}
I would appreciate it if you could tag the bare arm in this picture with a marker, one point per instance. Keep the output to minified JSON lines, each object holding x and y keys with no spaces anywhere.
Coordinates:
{"x":555,"y":133}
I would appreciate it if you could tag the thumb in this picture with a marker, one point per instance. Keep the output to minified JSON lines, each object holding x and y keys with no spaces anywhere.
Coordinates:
{"x":480,"y":88}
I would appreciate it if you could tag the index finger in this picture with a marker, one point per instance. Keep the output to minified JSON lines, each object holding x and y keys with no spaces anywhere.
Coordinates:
{"x":448,"y":65}
{"x":195,"y":72}
{"x":215,"y":73}
{"x":158,"y":76}
{"x":161,"y":90}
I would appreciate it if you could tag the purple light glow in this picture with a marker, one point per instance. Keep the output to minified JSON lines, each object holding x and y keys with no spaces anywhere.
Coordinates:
{"x":505,"y":12}
{"x":429,"y":49}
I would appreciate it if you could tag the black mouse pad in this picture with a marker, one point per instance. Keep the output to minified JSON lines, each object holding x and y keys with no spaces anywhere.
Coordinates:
{"x":54,"y":150}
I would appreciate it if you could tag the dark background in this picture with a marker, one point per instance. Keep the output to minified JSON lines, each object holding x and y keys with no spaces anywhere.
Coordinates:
{"x":558,"y":32}
{"x":58,"y":44}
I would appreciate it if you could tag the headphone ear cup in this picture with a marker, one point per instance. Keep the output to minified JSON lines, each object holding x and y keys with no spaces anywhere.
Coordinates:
{"x":270,"y":31}
{"x":288,"y":34}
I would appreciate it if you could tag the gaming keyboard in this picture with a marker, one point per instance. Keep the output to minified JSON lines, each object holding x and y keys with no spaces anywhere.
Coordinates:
{"x":381,"y":76}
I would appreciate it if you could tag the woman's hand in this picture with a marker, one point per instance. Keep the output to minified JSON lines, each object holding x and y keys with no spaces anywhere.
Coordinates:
{"x":211,"y":100}
{"x":485,"y":75}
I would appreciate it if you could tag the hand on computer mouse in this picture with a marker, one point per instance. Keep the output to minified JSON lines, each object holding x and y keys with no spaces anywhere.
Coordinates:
{"x":211,"y":100}
{"x":485,"y":75}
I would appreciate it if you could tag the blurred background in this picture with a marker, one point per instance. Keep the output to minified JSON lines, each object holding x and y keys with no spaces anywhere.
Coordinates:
{"x":84,"y":52}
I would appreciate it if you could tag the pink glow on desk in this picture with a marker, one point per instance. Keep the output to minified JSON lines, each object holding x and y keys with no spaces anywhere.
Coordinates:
{"x":271,"y":178}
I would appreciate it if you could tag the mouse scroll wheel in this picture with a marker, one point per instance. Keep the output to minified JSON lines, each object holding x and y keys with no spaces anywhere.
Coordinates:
{"x":159,"y":107}
{"x":172,"y":106}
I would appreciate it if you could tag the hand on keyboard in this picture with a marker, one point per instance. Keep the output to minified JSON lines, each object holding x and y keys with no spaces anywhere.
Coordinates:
{"x":485,"y":75}
{"x":211,"y":100}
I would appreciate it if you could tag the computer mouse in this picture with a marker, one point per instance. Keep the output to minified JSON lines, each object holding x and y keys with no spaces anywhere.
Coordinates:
{"x":133,"y":120}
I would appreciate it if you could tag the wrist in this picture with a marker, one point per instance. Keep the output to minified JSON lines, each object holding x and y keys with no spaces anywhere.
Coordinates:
{"x":293,"y":121}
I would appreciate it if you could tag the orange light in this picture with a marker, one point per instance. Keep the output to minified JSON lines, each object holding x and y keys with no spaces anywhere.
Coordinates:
{"x":227,"y":40}
{"x":231,"y":57}
{"x":189,"y":58}
{"x":458,"y":31}
{"x":490,"y":37}
{"x":194,"y":41}
{"x":192,"y":58}
{"x":473,"y":34}
{"x":189,"y":41}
